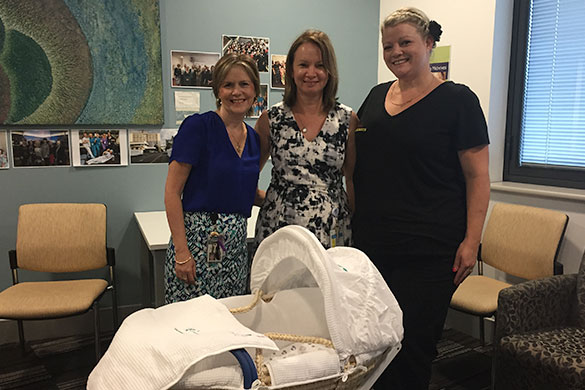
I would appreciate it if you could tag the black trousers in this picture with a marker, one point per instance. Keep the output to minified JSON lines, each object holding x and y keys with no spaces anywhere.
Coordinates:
{"x":423,"y":286}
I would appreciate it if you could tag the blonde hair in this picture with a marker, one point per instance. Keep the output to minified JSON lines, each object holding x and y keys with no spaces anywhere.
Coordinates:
{"x":225,"y":64}
{"x":415,"y":17}
{"x":324,"y":44}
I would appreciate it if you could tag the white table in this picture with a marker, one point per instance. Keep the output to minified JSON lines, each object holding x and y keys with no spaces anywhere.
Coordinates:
{"x":156,"y":235}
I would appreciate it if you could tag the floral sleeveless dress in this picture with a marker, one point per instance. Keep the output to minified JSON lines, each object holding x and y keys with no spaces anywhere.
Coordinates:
{"x":306,"y":187}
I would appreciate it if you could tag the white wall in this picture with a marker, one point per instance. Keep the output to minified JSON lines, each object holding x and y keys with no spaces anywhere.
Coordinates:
{"x":479,"y":33}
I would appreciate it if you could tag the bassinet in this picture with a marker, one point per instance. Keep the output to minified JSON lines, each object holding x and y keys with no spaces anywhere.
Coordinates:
{"x":335,"y":323}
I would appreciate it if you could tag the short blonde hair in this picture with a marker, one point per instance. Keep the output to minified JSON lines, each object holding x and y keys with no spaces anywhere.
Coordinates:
{"x":324,"y":44}
{"x":413,"y":16}
{"x":225,"y":64}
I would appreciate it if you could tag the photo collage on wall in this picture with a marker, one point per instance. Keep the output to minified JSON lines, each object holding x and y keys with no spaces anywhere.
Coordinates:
{"x":194,"y":69}
{"x":115,"y":147}
{"x":84,"y":147}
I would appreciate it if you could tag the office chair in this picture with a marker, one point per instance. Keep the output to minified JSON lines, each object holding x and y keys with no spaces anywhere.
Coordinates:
{"x":540,"y":334}
{"x":59,"y":238}
{"x":519,"y":240}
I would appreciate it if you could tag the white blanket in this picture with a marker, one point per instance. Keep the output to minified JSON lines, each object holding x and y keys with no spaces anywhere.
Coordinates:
{"x":154,"y":347}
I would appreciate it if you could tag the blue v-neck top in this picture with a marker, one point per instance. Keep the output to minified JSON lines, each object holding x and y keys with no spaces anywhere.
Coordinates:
{"x":220,"y":181}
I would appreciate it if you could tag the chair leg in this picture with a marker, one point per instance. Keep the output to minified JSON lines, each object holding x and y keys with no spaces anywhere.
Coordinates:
{"x":482,"y":331}
{"x":494,"y":332}
{"x":114,"y":309}
{"x":96,"y":326}
{"x":21,"y":335}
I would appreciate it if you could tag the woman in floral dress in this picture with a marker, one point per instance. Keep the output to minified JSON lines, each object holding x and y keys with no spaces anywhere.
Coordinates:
{"x":309,"y":136}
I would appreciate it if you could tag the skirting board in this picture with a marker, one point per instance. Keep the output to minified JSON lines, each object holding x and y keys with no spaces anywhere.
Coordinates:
{"x":63,"y":327}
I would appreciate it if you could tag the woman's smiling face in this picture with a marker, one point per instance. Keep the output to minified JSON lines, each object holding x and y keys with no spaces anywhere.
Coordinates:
{"x":406,"y":52}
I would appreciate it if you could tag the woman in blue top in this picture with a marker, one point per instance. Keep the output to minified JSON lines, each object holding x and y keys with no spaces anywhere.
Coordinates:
{"x":210,"y":189}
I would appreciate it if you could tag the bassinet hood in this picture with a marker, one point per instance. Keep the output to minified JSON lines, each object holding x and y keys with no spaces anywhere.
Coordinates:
{"x":361,"y":312}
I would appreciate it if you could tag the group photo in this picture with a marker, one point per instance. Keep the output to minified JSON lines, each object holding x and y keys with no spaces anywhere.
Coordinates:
{"x":40,"y":148}
{"x":99,"y":148}
{"x":192,"y":68}
{"x":255,"y":47}
{"x":278,"y":71}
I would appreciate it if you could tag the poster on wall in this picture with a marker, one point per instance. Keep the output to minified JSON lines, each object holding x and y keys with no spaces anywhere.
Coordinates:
{"x":3,"y":150}
{"x":80,"y":62}
{"x":278,"y":67}
{"x":40,"y":148}
{"x":150,"y":146}
{"x":192,"y":69}
{"x":94,"y":148}
{"x":439,"y":61}
{"x":186,"y":103}
{"x":256,"y":47}
{"x":261,"y":103}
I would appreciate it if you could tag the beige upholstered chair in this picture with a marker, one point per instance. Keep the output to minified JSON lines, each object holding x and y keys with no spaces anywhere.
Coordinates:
{"x":58,"y":238}
{"x":519,"y":240}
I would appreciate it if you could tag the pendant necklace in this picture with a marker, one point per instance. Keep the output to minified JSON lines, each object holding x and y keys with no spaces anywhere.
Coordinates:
{"x":238,"y":144}
{"x":301,"y":127}
{"x":404,"y":103}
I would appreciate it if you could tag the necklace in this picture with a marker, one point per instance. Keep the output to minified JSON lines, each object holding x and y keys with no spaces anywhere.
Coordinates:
{"x":240,"y":143}
{"x":404,"y":103}
{"x":302,"y":127}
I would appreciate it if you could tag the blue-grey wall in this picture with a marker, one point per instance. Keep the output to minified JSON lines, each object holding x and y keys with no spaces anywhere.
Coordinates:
{"x":192,"y":26}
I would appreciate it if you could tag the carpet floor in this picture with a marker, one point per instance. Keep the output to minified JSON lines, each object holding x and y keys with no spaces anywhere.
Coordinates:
{"x":64,"y":364}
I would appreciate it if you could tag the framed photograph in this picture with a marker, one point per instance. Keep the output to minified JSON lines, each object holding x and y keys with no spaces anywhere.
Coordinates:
{"x":261,"y":103}
{"x":40,"y":148}
{"x":4,"y":150}
{"x":278,"y":69}
{"x":256,"y":47}
{"x":94,"y":148}
{"x":192,"y":69}
{"x":150,"y":146}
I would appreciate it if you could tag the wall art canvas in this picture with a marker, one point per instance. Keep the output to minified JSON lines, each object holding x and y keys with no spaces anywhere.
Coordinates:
{"x":80,"y":62}
{"x":40,"y":148}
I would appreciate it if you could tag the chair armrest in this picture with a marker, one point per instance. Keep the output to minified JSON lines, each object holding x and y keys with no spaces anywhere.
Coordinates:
{"x":536,"y":304}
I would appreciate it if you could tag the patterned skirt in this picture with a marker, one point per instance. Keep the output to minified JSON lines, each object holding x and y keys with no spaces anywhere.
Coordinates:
{"x":224,"y":279}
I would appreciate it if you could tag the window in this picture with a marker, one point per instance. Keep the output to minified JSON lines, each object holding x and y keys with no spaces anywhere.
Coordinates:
{"x":545,"y":125}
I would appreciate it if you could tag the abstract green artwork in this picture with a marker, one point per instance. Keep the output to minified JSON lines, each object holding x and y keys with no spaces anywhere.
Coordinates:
{"x":80,"y":62}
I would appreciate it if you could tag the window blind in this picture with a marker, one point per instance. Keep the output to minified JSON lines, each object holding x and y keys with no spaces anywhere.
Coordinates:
{"x":553,"y":117}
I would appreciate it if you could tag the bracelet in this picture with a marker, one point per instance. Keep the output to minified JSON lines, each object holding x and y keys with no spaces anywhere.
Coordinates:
{"x":184,"y":261}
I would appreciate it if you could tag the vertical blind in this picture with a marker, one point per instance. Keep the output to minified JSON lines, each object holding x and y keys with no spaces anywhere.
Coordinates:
{"x":553,"y":117}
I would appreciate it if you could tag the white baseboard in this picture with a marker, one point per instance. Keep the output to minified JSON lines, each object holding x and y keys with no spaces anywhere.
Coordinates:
{"x":63,"y":327}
